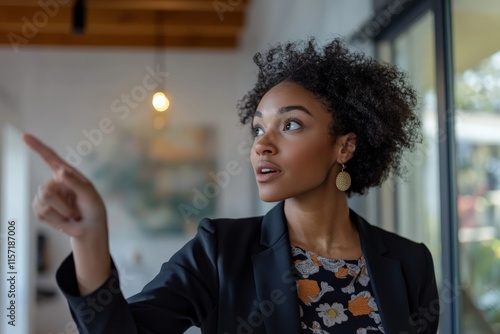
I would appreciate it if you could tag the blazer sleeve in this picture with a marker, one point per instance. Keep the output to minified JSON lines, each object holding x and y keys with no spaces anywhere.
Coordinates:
{"x":427,"y":319}
{"x":183,"y":294}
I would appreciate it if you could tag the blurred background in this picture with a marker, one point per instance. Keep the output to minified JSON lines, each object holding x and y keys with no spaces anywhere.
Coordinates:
{"x":81,"y":75}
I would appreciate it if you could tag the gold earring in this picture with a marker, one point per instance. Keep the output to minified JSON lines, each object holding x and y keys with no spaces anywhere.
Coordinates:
{"x":343,"y":180}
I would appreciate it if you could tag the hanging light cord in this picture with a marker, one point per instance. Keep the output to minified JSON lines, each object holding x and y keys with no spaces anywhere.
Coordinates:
{"x":79,"y":17}
{"x":159,"y":40}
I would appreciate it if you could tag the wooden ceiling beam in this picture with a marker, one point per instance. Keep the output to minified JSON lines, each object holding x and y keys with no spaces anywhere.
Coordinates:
{"x":186,"y":5}
{"x":126,"y":41}
{"x":165,"y":31}
{"x":182,"y":5}
{"x":124,"y":22}
{"x":197,"y":18}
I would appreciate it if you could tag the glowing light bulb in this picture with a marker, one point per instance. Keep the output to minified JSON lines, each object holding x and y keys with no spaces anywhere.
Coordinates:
{"x":160,"y":101}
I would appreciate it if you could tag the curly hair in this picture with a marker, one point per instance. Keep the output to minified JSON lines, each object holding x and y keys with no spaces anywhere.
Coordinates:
{"x":366,"y":97}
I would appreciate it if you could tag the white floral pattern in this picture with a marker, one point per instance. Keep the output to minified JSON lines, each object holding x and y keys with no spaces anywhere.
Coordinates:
{"x":335,"y":295}
{"x":332,"y":314}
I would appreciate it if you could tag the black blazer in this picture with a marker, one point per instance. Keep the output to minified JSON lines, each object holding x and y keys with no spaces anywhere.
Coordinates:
{"x":235,"y":277}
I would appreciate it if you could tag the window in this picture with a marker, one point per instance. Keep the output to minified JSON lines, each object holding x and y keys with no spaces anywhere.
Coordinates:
{"x":477,"y":112}
{"x":416,"y":198}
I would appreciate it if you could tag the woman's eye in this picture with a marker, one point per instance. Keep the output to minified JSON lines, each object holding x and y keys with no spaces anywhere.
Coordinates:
{"x":292,"y":125}
{"x":257,"y":131}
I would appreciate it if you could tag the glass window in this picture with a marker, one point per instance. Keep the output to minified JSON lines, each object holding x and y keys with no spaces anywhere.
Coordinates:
{"x":477,"y":106}
{"x":416,"y":198}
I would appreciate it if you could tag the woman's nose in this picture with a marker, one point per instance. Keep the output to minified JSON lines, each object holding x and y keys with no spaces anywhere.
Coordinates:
{"x":264,"y":145}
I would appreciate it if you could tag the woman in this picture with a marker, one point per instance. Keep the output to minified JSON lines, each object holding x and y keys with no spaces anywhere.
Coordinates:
{"x":327,"y":124}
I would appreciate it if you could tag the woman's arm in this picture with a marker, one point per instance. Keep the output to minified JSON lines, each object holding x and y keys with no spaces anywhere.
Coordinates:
{"x":183,"y":294}
{"x":427,"y":318}
{"x":70,"y":203}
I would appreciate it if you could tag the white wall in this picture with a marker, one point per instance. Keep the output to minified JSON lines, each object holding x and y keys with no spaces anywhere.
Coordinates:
{"x":60,"y":92}
{"x":14,"y":194}
{"x":16,"y":234}
{"x":73,"y":90}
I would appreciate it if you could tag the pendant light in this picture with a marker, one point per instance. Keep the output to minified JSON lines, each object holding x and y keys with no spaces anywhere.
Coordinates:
{"x":160,"y":99}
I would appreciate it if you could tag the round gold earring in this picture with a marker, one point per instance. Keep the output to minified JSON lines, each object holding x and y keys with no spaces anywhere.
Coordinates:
{"x":343,"y":180}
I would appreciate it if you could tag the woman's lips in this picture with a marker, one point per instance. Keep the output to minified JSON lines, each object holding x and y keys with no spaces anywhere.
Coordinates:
{"x":265,"y":177}
{"x":266,"y":171}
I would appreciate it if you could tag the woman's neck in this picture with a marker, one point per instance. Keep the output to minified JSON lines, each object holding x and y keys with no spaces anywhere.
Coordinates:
{"x":323,"y":227}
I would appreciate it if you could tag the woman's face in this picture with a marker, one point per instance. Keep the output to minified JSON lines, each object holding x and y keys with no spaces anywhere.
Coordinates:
{"x":293,"y":154}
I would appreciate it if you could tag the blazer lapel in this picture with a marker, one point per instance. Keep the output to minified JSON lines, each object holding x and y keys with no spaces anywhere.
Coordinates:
{"x":274,"y":278}
{"x":386,"y":278}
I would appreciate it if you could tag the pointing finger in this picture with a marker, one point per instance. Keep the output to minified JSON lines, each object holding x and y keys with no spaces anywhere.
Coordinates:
{"x":45,"y":152}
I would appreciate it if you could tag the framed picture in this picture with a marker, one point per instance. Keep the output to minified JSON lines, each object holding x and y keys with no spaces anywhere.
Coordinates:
{"x":161,"y":178}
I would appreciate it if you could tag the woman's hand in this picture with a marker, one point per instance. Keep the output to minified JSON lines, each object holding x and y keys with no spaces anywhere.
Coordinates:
{"x":70,"y":203}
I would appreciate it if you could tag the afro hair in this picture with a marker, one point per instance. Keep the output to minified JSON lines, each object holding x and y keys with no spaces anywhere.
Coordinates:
{"x":371,"y":99}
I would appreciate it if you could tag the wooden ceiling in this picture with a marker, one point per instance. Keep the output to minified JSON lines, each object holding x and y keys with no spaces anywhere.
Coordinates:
{"x":123,"y":23}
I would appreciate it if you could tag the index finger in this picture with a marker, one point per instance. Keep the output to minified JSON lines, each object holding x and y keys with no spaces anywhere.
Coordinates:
{"x":47,"y":154}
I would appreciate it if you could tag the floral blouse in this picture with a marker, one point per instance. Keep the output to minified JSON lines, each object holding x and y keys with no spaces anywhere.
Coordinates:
{"x":335,"y":296}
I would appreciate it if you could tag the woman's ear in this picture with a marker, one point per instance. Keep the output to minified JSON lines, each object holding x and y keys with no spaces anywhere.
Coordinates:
{"x":347,"y":146}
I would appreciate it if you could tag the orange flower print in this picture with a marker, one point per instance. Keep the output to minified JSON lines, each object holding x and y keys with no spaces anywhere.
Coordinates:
{"x":309,"y":291}
{"x":314,"y":258}
{"x":331,"y":314}
{"x":360,"y":304}
{"x":342,"y":272}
